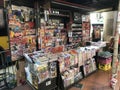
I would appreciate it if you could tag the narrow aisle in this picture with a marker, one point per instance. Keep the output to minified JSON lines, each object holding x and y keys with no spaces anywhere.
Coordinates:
{"x":98,"y":81}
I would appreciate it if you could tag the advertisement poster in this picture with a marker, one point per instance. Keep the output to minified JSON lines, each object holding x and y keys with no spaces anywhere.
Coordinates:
{"x":97,"y":28}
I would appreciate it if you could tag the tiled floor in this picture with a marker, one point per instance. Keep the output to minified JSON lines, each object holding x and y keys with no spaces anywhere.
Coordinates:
{"x":97,"y":81}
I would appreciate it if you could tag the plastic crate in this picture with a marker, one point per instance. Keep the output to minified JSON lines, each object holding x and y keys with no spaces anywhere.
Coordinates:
{"x":102,"y":60}
{"x":105,"y":67}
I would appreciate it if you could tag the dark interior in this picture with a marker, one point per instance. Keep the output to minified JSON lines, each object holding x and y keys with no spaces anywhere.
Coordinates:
{"x":97,"y":4}
{"x":84,"y":5}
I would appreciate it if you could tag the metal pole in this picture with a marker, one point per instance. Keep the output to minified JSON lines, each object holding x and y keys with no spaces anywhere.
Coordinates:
{"x":37,"y":20}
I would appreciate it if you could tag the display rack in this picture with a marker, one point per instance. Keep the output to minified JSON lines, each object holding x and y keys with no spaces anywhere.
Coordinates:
{"x":69,"y":69}
{"x":45,"y":70}
{"x":57,"y":13}
{"x":41,"y":74}
{"x":71,"y":66}
{"x":89,"y":60}
{"x":75,"y":34}
{"x":80,"y":30}
{"x":70,"y":72}
{"x":89,"y":66}
{"x":53,"y":30}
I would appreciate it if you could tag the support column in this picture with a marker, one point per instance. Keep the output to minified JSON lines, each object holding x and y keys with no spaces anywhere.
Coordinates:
{"x":115,"y":53}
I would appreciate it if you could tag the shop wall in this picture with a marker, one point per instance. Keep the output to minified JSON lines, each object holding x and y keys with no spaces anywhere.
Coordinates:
{"x":108,"y":19}
{"x":109,"y":24}
{"x":4,"y":42}
{"x":96,"y":18}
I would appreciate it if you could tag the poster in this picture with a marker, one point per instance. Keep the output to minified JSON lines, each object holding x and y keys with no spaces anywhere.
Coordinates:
{"x":97,"y":28}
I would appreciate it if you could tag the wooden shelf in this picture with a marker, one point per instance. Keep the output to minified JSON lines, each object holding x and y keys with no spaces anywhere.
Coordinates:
{"x":59,"y":15}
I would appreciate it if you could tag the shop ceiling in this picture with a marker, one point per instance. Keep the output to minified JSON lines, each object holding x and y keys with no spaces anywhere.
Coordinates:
{"x":97,"y":4}
{"x":90,"y":5}
{"x":85,"y":5}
